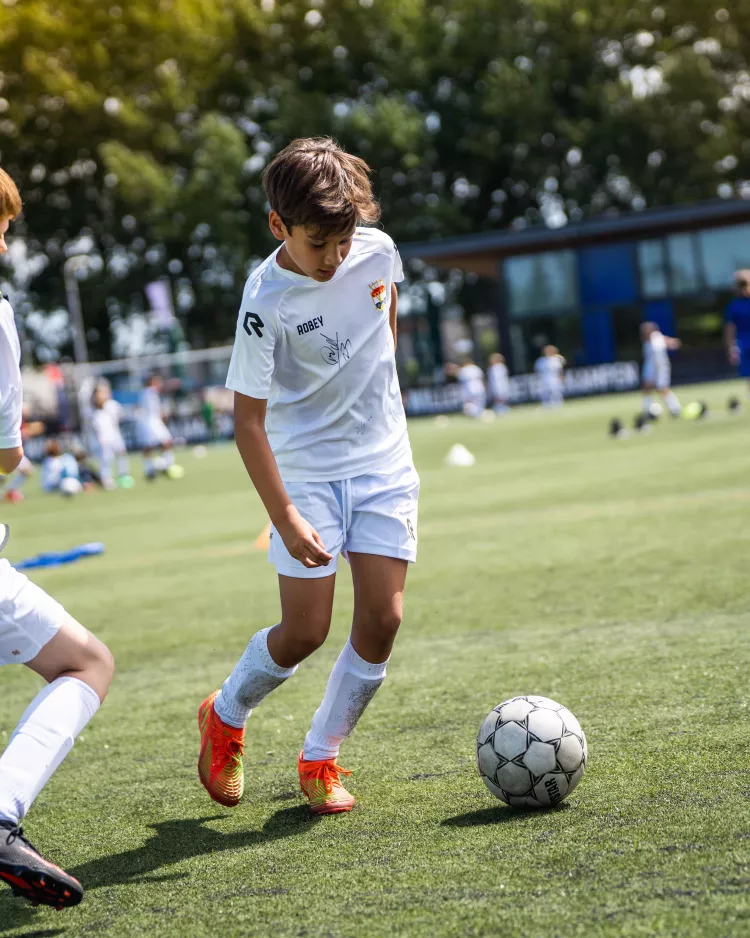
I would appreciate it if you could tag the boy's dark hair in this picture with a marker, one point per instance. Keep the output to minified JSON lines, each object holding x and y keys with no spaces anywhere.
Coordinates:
{"x":314,"y":183}
{"x":10,"y":199}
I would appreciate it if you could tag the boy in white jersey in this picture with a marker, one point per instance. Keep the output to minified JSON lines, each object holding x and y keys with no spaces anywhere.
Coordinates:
{"x":471,"y":379}
{"x":320,"y":426}
{"x":549,"y":367}
{"x":152,"y":430}
{"x":657,"y":369}
{"x":497,"y":378}
{"x":110,"y":446}
{"x":36,"y":631}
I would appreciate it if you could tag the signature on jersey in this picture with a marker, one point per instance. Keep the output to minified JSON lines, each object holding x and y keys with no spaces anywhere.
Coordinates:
{"x":335,"y":352}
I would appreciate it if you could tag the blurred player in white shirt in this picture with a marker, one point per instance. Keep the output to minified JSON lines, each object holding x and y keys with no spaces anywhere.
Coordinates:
{"x":471,"y":379}
{"x":549,"y":367}
{"x":110,"y":446}
{"x":320,"y":425}
{"x":499,"y":383}
{"x":36,"y":631}
{"x":153,"y":433}
{"x":657,"y":368}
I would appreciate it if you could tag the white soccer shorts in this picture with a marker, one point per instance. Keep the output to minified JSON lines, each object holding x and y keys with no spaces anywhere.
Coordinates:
{"x":658,"y":376}
{"x":153,"y":432}
{"x":369,"y":514}
{"x":29,"y":618}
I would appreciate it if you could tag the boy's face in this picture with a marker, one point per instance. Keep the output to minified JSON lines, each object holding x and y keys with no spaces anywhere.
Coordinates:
{"x":4,"y":223}
{"x":307,"y":253}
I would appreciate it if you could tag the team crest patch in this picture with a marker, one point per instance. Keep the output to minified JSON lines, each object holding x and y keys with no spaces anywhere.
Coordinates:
{"x":377,"y":292}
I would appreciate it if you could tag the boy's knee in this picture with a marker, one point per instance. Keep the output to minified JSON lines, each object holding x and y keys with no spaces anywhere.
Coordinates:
{"x":382,"y":623}
{"x":301,"y":640}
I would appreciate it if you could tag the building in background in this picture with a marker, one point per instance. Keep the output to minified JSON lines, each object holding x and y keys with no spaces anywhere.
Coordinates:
{"x":586,"y":287}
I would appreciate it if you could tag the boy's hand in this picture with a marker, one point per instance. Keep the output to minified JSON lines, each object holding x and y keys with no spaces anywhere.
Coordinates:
{"x":302,"y":541}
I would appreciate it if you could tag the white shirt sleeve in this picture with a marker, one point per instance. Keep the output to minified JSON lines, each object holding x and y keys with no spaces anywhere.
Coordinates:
{"x":398,"y":267}
{"x":11,"y":394}
{"x":252,"y":364}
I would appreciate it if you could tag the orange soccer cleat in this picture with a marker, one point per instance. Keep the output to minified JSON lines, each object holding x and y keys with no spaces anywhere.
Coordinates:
{"x":319,"y":780}
{"x":220,"y":759}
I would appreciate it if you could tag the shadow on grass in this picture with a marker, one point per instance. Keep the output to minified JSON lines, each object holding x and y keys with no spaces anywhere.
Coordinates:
{"x":175,"y":841}
{"x":498,"y":815}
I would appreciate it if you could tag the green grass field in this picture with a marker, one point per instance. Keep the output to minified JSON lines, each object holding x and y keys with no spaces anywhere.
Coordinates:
{"x":609,"y":575}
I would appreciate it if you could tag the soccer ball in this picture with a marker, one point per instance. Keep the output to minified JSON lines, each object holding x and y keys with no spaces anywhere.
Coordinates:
{"x":531,"y":752}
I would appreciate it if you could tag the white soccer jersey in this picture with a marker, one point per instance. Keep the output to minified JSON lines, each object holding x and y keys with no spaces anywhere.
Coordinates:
{"x":322,"y":354}
{"x":549,"y":368}
{"x":149,"y":404}
{"x":497,"y":375}
{"x":11,"y":395}
{"x":106,"y":423}
{"x":655,"y":354}
{"x":472,"y":380}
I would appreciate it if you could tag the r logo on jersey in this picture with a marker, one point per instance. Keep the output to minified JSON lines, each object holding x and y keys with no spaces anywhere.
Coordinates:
{"x":378,"y":293}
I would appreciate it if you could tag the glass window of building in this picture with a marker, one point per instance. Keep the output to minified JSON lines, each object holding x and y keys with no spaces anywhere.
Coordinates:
{"x":541,"y":283}
{"x":683,"y":264}
{"x":652,"y":268}
{"x":724,"y":250}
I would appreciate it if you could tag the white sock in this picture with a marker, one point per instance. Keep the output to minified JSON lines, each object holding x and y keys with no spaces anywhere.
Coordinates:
{"x":646,"y":404}
{"x":123,"y":466}
{"x":167,"y":459}
{"x":148,"y":465}
{"x":351,"y":686}
{"x":255,"y":675}
{"x":672,"y":402}
{"x":41,"y":741}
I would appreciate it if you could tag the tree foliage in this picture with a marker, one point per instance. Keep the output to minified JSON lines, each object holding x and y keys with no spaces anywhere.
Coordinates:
{"x":139,"y":131}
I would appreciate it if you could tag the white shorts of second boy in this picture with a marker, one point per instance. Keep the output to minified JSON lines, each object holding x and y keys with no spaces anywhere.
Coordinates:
{"x":29,"y":618}
{"x":369,"y":514}
{"x":153,"y":432}
{"x":658,"y":375}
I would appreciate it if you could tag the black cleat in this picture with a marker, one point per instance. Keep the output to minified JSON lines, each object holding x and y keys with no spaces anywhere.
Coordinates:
{"x":32,"y":877}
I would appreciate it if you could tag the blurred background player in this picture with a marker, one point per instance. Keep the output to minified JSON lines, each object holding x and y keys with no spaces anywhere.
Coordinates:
{"x":737,"y":325}
{"x":471,"y":379}
{"x":657,"y":369}
{"x":10,"y":486}
{"x":36,"y":631}
{"x":549,"y":367}
{"x":60,"y":472}
{"x":110,"y":446}
{"x":499,"y":384}
{"x":153,"y":432}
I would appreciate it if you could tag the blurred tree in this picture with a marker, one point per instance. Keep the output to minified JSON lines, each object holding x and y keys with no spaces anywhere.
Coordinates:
{"x":138,"y":132}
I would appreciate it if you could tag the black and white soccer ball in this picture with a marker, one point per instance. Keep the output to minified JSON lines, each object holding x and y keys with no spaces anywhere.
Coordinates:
{"x":531,"y":752}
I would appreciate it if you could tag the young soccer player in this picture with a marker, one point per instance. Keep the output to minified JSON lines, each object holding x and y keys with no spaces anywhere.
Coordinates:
{"x":36,"y":631}
{"x":549,"y":367}
{"x":321,"y":429}
{"x":737,"y":325}
{"x":471,"y":378}
{"x":152,"y":431}
{"x":110,"y":446}
{"x":657,"y":369}
{"x":497,"y":378}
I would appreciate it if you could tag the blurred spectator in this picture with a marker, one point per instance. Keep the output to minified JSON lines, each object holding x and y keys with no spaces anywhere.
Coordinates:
{"x":471,"y":378}
{"x":737,"y":328}
{"x":549,"y":368}
{"x":499,"y":384}
{"x":60,"y":470}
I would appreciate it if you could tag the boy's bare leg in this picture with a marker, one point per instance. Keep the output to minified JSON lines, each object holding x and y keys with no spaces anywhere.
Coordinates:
{"x":75,"y":652}
{"x":306,"y":607}
{"x":360,"y":670}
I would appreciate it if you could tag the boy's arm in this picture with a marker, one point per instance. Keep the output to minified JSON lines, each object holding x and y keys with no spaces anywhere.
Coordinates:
{"x":673,"y":343}
{"x":393,"y":312}
{"x":300,"y":538}
{"x":730,"y":341}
